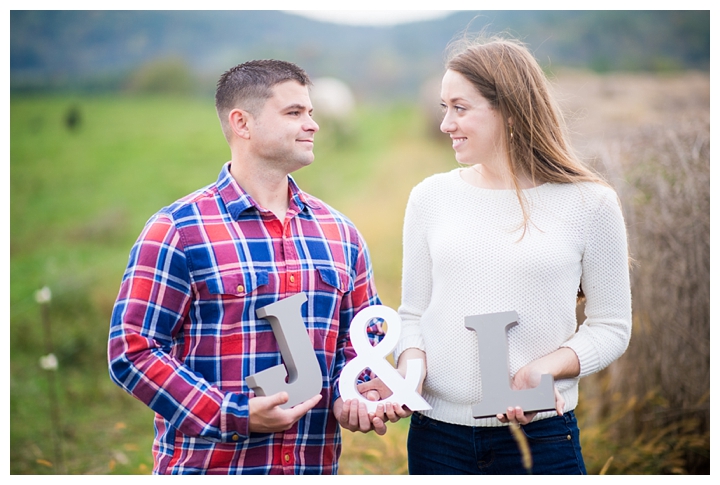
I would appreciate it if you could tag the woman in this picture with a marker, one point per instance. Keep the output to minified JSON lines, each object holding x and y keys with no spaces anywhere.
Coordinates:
{"x":523,"y":226}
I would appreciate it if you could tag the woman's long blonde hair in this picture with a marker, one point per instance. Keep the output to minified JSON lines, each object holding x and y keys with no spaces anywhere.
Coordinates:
{"x":508,"y":76}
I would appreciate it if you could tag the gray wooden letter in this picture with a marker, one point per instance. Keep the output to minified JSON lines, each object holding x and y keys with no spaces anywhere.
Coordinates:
{"x":304,"y":377}
{"x":491,"y":330}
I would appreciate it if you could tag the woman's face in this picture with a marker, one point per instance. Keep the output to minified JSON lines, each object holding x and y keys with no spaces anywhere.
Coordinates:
{"x":476,"y":129}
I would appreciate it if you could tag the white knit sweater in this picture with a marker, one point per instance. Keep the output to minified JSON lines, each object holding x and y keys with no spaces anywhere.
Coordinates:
{"x":463,"y":255}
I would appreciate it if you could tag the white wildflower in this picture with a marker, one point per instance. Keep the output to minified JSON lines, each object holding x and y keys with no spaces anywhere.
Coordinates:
{"x":43,"y":295}
{"x":49,"y":362}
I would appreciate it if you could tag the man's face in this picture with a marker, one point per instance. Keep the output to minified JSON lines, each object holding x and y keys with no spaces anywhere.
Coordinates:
{"x":282,"y":131}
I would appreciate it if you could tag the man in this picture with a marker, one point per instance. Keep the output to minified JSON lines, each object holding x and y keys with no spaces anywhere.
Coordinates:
{"x":184,"y":334}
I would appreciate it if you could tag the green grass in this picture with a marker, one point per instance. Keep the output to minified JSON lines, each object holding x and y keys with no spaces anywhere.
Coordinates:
{"x":79,"y":198}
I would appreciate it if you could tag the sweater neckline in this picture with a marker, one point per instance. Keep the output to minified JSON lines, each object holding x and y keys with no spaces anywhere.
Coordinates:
{"x":497,"y":192}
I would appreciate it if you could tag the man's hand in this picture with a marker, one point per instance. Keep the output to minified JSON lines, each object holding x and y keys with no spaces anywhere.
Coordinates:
{"x":266,"y":415}
{"x":353,"y":415}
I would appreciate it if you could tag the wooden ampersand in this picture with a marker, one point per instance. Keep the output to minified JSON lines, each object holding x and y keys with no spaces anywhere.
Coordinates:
{"x":404,"y":389}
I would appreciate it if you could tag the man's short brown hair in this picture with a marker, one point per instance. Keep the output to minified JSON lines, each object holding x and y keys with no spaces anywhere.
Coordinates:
{"x":247,"y":86}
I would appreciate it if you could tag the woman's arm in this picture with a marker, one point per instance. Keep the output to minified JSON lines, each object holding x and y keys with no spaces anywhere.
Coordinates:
{"x":605,"y":333}
{"x":416,"y":278}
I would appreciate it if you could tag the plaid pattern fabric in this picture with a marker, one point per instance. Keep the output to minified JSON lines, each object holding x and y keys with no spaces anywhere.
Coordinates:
{"x":184,"y":334}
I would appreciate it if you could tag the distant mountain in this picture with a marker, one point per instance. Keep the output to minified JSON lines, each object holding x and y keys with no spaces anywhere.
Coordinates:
{"x":103,"y":50}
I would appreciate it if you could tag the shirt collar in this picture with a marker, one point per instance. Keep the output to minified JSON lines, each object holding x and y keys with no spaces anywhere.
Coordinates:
{"x":237,"y":200}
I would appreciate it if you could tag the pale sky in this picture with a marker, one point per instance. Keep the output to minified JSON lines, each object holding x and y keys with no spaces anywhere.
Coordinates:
{"x":371,"y":17}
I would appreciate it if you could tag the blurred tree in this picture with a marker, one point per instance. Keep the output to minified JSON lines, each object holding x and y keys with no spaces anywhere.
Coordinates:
{"x":167,"y":76}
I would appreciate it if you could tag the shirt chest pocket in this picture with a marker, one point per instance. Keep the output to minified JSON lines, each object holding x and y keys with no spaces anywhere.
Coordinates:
{"x":329,"y":278}
{"x":236,"y":283}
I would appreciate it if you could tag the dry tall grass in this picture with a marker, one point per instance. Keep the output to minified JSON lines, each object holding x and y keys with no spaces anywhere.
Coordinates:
{"x":650,"y":411}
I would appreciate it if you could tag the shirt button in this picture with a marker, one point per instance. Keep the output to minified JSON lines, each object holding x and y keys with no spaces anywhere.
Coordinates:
{"x":240,"y":288}
{"x":292,"y":278}
{"x":235,"y":437}
{"x":287,"y":457}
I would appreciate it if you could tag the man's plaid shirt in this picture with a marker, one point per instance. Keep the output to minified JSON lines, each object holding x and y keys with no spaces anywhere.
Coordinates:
{"x":184,"y":334}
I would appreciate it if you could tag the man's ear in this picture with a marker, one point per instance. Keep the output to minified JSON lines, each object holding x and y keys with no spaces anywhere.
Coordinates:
{"x":238,"y":122}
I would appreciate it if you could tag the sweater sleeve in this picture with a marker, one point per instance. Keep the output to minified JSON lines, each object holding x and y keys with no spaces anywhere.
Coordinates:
{"x":416,"y":278}
{"x":605,"y":333}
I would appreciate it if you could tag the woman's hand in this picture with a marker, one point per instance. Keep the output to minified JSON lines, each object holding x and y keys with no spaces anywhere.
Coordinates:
{"x":376,"y":390}
{"x":561,"y":364}
{"x":412,"y":354}
{"x":516,"y":414}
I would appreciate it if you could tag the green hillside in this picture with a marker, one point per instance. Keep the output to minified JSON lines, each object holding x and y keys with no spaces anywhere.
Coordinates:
{"x":103,"y":50}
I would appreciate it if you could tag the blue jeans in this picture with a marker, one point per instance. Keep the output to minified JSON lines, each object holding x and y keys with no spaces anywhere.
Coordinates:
{"x":438,"y":448}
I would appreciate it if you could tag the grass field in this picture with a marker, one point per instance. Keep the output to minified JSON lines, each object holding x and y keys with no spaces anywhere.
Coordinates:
{"x":79,"y":198}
